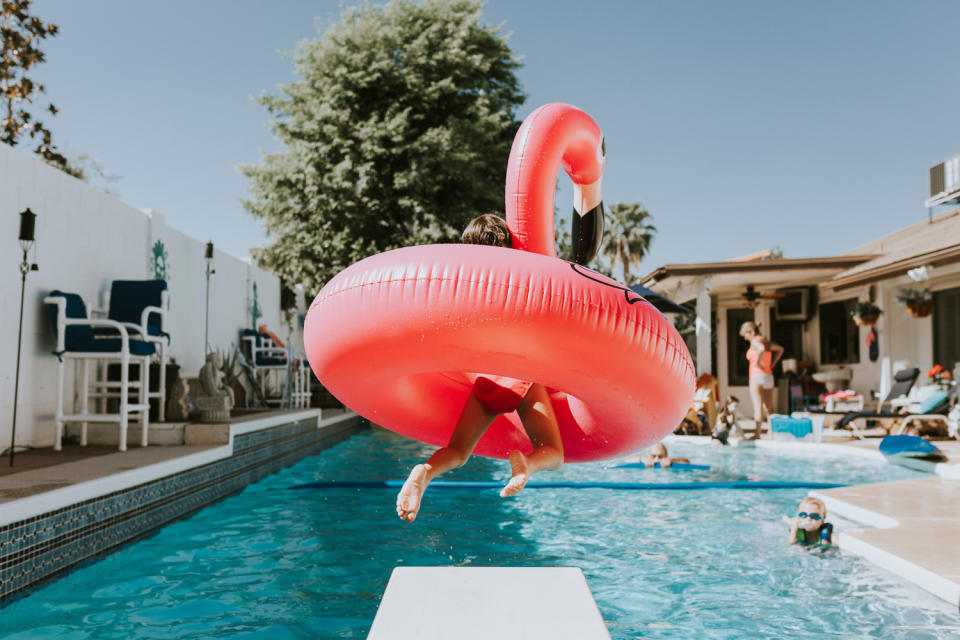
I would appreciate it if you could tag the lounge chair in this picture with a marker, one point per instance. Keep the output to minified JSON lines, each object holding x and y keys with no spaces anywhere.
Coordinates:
{"x":76,"y":341}
{"x":890,"y":406}
{"x":934,"y":409}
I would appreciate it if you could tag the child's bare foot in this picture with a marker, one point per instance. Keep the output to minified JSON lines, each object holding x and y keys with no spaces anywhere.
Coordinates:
{"x":408,"y":500}
{"x":519,"y":474}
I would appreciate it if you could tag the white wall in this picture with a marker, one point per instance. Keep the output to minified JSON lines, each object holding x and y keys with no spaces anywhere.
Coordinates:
{"x":85,"y":240}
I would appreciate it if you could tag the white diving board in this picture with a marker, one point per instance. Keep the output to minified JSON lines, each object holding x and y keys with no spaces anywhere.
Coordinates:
{"x":488,"y":603}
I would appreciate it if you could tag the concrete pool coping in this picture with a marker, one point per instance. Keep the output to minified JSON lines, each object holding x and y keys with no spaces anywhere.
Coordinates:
{"x":915,"y":524}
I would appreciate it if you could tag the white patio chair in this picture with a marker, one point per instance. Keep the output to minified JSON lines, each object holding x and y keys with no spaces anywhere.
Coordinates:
{"x":265,"y":356}
{"x":141,"y":305}
{"x":76,"y":341}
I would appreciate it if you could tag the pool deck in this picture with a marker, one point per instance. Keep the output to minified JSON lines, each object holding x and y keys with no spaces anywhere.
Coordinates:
{"x":100,"y":464}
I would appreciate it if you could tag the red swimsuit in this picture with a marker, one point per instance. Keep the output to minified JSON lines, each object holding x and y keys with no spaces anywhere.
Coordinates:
{"x":500,"y":394}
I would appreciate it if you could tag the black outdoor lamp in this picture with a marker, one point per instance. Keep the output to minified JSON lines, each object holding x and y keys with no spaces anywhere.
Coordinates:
{"x":28,"y":223}
{"x":208,"y":255}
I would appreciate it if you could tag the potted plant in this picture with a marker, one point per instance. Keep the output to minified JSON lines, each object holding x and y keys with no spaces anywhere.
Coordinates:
{"x":228,"y":366}
{"x":865,"y":314}
{"x":919,"y":302}
{"x":940,"y":376}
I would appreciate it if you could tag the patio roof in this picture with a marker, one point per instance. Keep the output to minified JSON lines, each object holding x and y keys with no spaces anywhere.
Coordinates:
{"x":755,"y":266}
{"x":733,"y":276}
{"x":930,"y":242}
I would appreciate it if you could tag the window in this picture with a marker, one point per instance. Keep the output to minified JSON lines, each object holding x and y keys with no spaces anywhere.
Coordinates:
{"x":737,"y":366}
{"x":839,"y":335}
{"x":946,"y":328}
{"x":789,"y":335}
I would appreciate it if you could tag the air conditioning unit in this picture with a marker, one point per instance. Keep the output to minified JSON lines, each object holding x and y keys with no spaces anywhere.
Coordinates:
{"x":796,"y":304}
{"x":944,"y":181}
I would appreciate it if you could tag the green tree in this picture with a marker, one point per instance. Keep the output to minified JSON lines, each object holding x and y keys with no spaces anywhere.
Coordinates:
{"x":627,"y":236}
{"x":20,"y":35}
{"x":397,"y":134}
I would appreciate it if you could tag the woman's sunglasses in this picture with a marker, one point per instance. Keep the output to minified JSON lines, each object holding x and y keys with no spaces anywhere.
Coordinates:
{"x":812,"y":516}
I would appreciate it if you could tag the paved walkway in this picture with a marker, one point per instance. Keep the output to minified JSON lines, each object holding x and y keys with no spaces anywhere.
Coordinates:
{"x":47,"y":457}
{"x":29,"y":482}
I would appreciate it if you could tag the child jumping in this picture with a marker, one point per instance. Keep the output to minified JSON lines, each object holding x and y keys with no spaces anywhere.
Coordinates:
{"x":490,"y":397}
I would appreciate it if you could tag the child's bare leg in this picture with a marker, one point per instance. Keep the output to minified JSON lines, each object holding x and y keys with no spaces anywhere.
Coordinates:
{"x":473,"y":421}
{"x":767,"y":396}
{"x":540,"y":423}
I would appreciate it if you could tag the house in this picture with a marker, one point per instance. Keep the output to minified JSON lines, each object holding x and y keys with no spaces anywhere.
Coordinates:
{"x":805,"y":305}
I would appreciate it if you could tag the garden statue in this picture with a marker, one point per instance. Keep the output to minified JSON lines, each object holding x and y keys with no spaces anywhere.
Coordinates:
{"x":177,"y":410}
{"x":217,"y":400}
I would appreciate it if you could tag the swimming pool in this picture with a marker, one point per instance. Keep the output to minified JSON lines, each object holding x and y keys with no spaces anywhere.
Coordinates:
{"x":274,"y":563}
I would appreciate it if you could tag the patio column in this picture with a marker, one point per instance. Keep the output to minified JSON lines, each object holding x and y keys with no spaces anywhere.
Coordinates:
{"x":704,"y":361}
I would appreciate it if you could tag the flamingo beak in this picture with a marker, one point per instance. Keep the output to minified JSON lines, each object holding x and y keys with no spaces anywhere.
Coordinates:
{"x":587,"y":234}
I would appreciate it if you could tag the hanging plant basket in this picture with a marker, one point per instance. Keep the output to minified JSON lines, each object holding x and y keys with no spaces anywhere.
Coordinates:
{"x":865,"y":314}
{"x":920,"y":308}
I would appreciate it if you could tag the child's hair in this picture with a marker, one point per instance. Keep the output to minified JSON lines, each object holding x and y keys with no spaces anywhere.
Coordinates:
{"x":817,"y":503}
{"x":489,"y":229}
{"x":658,"y":447}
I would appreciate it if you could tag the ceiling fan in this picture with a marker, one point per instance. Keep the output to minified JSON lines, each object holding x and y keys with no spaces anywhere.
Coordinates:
{"x":751,"y":295}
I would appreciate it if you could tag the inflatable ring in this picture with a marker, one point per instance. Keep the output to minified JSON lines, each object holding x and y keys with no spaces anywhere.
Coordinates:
{"x":396,"y":336}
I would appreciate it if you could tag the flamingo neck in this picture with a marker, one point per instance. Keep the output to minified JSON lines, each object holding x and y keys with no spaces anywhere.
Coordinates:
{"x":552,"y":136}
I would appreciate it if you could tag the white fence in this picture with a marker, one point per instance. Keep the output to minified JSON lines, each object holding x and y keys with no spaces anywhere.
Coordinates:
{"x":84,"y":240}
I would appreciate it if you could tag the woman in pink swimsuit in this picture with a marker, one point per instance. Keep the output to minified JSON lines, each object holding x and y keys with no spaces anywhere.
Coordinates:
{"x":491,"y":396}
{"x":762,"y":356}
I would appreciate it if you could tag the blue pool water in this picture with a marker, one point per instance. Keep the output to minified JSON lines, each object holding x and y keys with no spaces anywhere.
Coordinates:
{"x":274,"y":563}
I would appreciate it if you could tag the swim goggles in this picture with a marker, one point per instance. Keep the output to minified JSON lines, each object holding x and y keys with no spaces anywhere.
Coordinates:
{"x":812,"y":516}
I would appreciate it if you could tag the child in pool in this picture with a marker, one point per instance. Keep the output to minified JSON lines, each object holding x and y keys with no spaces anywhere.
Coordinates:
{"x":657,"y":454}
{"x":490,"y":397}
{"x":810,"y":526}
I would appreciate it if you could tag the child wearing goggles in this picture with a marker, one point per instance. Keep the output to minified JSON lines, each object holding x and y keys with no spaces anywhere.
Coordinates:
{"x":810,"y":526}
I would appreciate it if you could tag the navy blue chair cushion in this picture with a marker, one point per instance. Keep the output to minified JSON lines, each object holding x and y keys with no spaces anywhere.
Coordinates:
{"x":112,"y":345}
{"x":128,"y":299}
{"x":81,"y":337}
{"x":263,"y":361}
{"x":76,"y":335}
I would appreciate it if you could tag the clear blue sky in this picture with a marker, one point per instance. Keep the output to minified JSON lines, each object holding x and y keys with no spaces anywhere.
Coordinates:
{"x":739,"y":125}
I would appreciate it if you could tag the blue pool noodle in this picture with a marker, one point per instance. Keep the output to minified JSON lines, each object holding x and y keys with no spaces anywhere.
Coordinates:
{"x":679,"y":466}
{"x":623,"y":486}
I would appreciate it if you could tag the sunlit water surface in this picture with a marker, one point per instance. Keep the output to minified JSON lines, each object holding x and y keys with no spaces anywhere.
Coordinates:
{"x":274,"y":563}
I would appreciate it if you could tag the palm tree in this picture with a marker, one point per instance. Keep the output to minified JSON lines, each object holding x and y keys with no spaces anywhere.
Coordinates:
{"x":627,"y":236}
